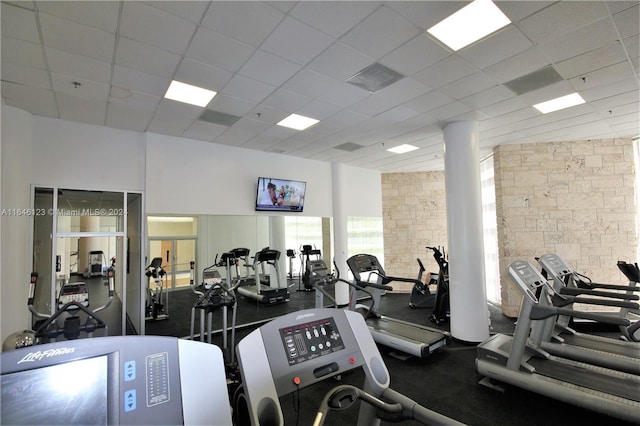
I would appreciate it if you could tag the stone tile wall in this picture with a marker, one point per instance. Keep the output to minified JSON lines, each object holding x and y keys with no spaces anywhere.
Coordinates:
{"x":572,"y":198}
{"x":414,"y":216}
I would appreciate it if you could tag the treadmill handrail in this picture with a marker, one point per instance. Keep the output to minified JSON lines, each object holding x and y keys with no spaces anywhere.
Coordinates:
{"x":562,"y":300}
{"x":541,"y":312}
{"x":579,"y":291}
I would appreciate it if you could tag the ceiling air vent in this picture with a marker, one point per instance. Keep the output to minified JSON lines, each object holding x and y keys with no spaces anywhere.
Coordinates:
{"x":349,"y":147}
{"x":534,"y":81}
{"x":217,"y":117}
{"x":375,"y":77}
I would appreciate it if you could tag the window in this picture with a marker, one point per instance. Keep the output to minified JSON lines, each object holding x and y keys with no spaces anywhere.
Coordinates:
{"x":490,"y":232}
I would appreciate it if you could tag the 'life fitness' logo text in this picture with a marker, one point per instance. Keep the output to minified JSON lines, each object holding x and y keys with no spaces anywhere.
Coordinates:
{"x":37,"y":356}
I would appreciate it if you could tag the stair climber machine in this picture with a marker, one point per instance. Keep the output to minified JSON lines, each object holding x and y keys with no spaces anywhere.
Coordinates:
{"x":421,"y":296}
{"x":128,"y":380}
{"x":265,"y":289}
{"x":73,"y":315}
{"x":555,"y":336}
{"x":516,"y":361}
{"x":304,"y":348}
{"x":157,"y":300}
{"x":216,"y":294}
{"x":406,"y":337}
{"x":568,"y":282}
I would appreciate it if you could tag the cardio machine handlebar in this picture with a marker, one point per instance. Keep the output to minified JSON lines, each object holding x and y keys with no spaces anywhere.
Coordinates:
{"x":399,"y":407}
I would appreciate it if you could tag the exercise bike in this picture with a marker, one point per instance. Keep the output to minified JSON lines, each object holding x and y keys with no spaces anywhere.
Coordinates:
{"x":156,"y":302}
{"x":421,"y":296}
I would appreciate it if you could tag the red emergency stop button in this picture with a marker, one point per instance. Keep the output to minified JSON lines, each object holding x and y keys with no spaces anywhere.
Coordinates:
{"x":352,"y":360}
{"x":296,"y":380}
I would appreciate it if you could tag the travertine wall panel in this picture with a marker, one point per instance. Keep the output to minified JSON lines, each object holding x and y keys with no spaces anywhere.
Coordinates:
{"x":572,"y":198}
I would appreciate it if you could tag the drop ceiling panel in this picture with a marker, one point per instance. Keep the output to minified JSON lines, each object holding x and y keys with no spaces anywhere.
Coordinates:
{"x":168,"y":107}
{"x":248,"y":89}
{"x":27,"y":76}
{"x":583,"y":40}
{"x":190,"y":10}
{"x":286,"y":100}
{"x":268,"y":68}
{"x":231,"y":105}
{"x":333,"y":19}
{"x":447,"y":70}
{"x":591,"y":61}
{"x":148,"y":25}
{"x":22,"y":52}
{"x":202,"y":75}
{"x":218,"y":50}
{"x":424,"y":15}
{"x":415,"y":55}
{"x":19,"y":23}
{"x":80,"y":66}
{"x":380,"y":33}
{"x":627,"y":21}
{"x":77,"y":38}
{"x":146,"y":58}
{"x":137,"y":101}
{"x":169,"y":125}
{"x":296,"y":41}
{"x":487,"y":97}
{"x":102,"y":15}
{"x":344,"y":95}
{"x":63,"y":83}
{"x":38,"y":101}
{"x":467,"y":86}
{"x":310,"y":83}
{"x":517,"y":65}
{"x":561,"y":18}
{"x":140,"y":81}
{"x":502,"y":45}
{"x":340,"y":61}
{"x":233,"y":18}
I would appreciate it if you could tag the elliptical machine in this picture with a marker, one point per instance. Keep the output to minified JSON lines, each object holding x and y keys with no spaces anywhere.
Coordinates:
{"x":440,"y":313}
{"x":306,"y":261}
{"x":71,"y":302}
{"x":157,"y":303}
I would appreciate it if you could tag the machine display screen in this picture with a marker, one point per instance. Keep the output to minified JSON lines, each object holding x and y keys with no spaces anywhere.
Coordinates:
{"x":69,"y":393}
{"x":311,"y":340}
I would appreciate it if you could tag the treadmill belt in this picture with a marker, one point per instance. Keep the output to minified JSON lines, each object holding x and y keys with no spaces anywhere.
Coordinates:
{"x":630,"y":350}
{"x":404,"y":330}
{"x":591,"y":379}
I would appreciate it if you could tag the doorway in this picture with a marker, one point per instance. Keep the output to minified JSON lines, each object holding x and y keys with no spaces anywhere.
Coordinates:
{"x":176,"y":254}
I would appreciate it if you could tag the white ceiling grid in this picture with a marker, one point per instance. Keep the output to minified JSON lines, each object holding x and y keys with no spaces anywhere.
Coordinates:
{"x":267,"y":60}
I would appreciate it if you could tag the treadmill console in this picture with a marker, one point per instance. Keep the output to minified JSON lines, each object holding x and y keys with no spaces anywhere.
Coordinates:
{"x":311,"y":340}
{"x":527,"y":278}
{"x":115,"y":380}
{"x":554,"y":265}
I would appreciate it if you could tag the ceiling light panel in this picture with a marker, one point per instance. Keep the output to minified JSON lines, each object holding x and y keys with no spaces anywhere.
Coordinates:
{"x":469,"y":24}
{"x":401,"y":149}
{"x":297,"y":122}
{"x":189,"y":94}
{"x":559,"y":103}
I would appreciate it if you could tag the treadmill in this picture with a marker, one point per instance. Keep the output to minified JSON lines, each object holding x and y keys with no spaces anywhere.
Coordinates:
{"x":413,"y":339}
{"x":556,"y":337}
{"x":508,"y":359}
{"x":262,"y":289}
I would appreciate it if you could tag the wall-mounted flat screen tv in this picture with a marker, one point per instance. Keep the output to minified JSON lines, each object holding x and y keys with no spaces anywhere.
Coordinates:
{"x":280,"y":195}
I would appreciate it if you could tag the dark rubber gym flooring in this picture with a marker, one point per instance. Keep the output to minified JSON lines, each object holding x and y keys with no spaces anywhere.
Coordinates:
{"x":446,"y":382}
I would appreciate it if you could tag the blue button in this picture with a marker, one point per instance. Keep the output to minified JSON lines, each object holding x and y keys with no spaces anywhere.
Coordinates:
{"x":129,"y":371}
{"x":130,"y":400}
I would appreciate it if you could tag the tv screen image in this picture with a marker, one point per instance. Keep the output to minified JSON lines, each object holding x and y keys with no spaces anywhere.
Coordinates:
{"x":280,"y":195}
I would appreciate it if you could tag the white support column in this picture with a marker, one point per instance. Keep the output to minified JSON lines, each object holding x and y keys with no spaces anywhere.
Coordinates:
{"x":468,"y":300}
{"x":340,"y":230}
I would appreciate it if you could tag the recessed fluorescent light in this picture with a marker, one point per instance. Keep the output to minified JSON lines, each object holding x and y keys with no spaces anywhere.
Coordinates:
{"x":183,"y":92}
{"x":298,"y":122}
{"x":401,"y":149}
{"x":471,"y":23}
{"x":559,"y":103}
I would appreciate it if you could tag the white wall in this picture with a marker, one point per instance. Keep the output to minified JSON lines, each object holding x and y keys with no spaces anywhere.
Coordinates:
{"x":16,"y":260}
{"x":83,"y":156}
{"x":177,"y":176}
{"x":193,"y":177}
